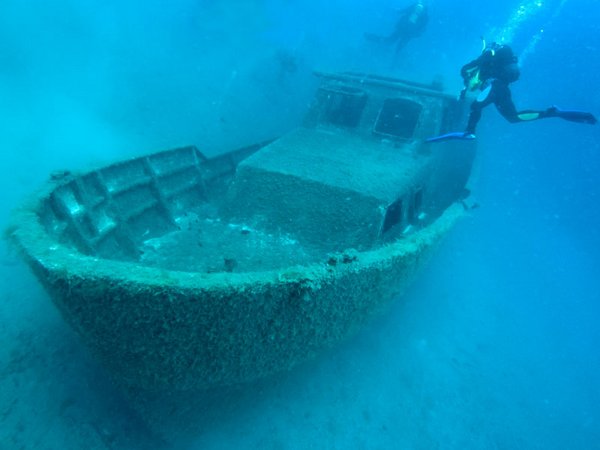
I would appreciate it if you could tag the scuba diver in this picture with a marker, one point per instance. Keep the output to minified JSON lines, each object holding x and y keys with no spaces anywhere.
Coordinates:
{"x":410,"y":24}
{"x":491,"y":73}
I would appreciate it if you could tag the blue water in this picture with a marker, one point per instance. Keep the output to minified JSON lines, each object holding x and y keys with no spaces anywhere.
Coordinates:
{"x":496,"y":344}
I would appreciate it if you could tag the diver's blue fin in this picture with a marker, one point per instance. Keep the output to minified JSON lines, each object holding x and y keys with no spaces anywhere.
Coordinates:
{"x":571,"y":116}
{"x":449,"y":136}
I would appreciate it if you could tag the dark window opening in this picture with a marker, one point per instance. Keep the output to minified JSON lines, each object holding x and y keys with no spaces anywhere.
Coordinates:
{"x":344,"y":105}
{"x":398,"y":117}
{"x":393,"y":215}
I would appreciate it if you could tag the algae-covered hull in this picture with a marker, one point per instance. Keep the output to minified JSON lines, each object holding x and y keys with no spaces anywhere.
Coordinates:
{"x":178,"y":278}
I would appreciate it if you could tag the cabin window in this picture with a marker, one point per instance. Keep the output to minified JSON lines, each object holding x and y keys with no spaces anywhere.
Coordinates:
{"x":398,"y":117}
{"x":344,"y":105}
{"x":393,"y":215}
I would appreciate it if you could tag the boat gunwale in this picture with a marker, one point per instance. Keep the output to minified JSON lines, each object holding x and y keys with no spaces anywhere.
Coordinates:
{"x":38,"y":245}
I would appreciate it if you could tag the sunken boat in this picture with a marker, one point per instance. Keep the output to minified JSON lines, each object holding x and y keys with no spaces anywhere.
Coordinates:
{"x":182,"y":272}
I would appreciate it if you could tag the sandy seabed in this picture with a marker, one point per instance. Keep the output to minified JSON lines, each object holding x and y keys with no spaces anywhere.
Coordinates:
{"x":435,"y":372}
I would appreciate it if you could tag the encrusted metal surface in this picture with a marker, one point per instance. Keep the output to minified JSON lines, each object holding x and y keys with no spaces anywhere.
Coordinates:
{"x":181,"y":274}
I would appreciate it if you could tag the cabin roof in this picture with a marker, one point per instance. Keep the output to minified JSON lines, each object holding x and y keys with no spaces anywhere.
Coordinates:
{"x":343,"y":161}
{"x":435,"y":88}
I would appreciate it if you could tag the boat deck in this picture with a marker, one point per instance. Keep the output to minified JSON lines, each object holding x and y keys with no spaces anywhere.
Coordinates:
{"x":207,"y":244}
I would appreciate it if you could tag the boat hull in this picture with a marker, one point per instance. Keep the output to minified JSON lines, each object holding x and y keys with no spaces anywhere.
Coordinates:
{"x":159,"y":330}
{"x":182,"y":272}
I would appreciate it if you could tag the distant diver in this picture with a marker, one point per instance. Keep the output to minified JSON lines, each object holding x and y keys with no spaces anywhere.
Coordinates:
{"x":411,"y":24}
{"x":491,"y":73}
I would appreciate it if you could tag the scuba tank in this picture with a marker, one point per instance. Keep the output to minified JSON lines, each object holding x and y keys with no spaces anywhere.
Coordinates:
{"x":496,"y":61}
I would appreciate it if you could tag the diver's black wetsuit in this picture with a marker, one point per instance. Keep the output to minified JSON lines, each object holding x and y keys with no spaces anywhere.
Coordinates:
{"x":411,"y":23}
{"x":492,"y":72}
